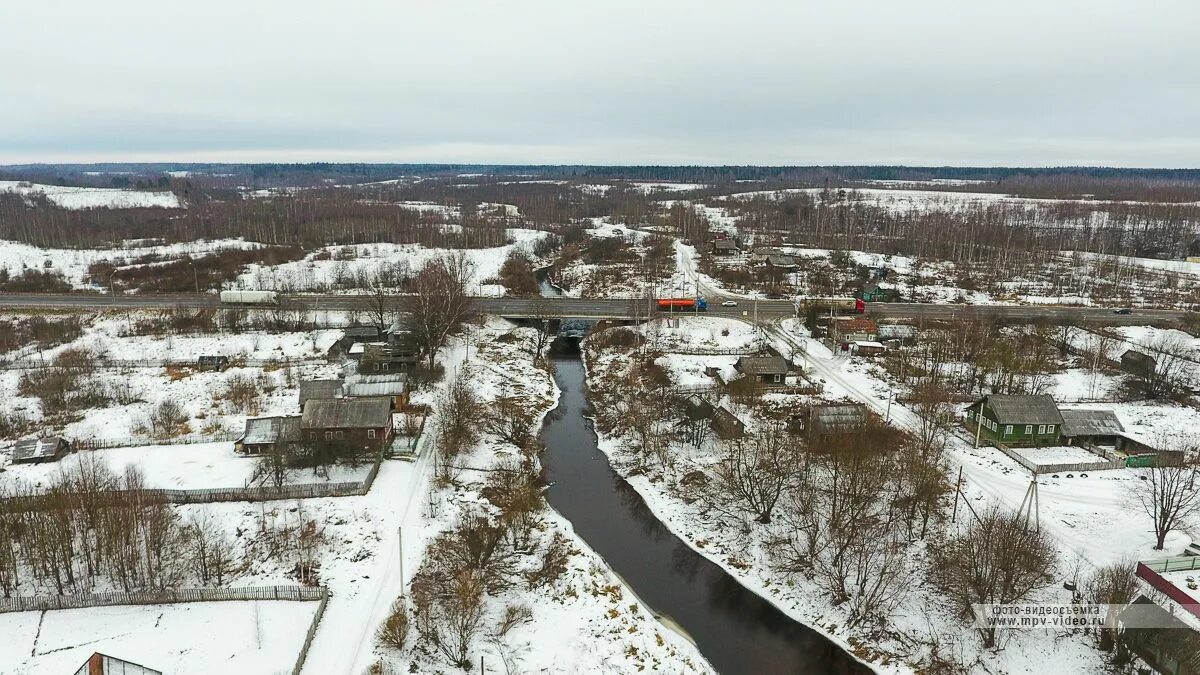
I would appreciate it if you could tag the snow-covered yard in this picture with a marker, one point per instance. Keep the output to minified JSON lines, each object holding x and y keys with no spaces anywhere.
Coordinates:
{"x":193,"y":466}
{"x":1059,"y":455}
{"x":73,"y":263}
{"x":198,"y":638}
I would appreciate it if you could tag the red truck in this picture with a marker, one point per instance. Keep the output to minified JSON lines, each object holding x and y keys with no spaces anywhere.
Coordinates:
{"x":681,"y":304}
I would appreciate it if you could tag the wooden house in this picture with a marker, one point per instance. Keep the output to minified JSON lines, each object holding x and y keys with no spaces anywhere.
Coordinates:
{"x":1138,"y":363}
{"x":365,"y":423}
{"x":103,"y":664}
{"x":1015,"y":420}
{"x":312,"y":390}
{"x":767,"y":369}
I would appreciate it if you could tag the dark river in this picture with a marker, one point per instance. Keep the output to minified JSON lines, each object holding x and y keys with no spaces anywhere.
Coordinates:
{"x":736,"y":630}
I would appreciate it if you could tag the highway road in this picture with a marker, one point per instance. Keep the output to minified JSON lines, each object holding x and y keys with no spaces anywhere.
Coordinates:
{"x":586,"y":308}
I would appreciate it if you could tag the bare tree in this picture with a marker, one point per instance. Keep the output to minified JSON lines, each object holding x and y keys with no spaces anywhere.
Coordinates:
{"x":378,"y":304}
{"x":753,"y":473}
{"x":995,"y":560}
{"x":439,"y":302}
{"x":1170,"y":493}
{"x":1115,"y":585}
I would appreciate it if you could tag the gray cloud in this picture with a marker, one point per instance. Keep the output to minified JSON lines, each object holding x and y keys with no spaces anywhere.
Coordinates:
{"x":935,"y":82}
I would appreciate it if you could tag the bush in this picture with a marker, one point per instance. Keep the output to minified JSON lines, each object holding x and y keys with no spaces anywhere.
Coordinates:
{"x":35,"y":281}
{"x":393,"y":632}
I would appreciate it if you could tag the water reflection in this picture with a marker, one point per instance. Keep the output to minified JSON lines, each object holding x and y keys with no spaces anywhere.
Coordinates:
{"x":736,"y":630}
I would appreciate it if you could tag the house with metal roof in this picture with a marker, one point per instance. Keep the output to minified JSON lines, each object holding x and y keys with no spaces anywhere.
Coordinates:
{"x":311,"y":390}
{"x":361,"y":422}
{"x":265,"y":434}
{"x":393,"y":387}
{"x":103,"y":664}
{"x":836,"y":418}
{"x":1091,"y":427}
{"x":781,"y":262}
{"x":1017,"y":420}
{"x":40,"y":450}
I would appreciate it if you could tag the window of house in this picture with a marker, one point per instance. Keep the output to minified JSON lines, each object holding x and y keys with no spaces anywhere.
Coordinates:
{"x":385,"y":366}
{"x":1008,"y":430}
{"x":1049,"y":428}
{"x":370,"y":433}
{"x":1041,"y":428}
{"x":329,"y":435}
{"x":777,"y":378}
{"x":338,"y":435}
{"x":1029,"y":429}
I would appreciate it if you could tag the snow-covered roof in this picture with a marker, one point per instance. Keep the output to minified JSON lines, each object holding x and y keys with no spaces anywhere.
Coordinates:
{"x":359,"y":389}
{"x":893,"y":331}
{"x":267,"y":430}
{"x":319,"y":389}
{"x":1090,"y":423}
{"x":35,"y":448}
{"x":868,"y":344}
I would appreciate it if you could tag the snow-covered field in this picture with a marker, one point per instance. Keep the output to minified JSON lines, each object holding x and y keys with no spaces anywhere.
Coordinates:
{"x":197,"y":638}
{"x":315,"y":274}
{"x":94,"y":198}
{"x":73,"y":263}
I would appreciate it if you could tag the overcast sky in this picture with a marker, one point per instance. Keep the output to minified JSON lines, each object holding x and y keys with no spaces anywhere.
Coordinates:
{"x":927,"y":82}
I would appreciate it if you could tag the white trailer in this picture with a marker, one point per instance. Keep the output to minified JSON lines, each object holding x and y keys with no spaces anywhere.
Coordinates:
{"x":249,"y":298}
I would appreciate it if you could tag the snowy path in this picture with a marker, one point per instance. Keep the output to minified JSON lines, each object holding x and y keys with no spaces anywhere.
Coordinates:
{"x":1092,"y":518}
{"x":345,"y":641}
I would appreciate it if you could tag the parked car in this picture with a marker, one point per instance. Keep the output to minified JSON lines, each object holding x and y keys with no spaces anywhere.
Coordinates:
{"x":1123,"y":310}
{"x":729,"y":303}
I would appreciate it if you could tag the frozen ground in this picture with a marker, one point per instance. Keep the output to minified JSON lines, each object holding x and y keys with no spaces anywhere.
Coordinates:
{"x":198,"y":638}
{"x":192,"y":466}
{"x":94,"y":198}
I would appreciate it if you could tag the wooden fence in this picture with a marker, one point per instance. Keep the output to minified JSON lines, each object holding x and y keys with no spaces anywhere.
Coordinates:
{"x":319,"y":594}
{"x":107,"y":443}
{"x":28,"y":363}
{"x":162,"y":597}
{"x":1038,"y":469}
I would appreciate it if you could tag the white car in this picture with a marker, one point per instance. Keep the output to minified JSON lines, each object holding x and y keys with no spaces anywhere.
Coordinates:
{"x":729,"y":303}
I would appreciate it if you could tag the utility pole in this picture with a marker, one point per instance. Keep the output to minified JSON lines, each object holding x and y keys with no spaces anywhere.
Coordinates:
{"x":400,"y":543}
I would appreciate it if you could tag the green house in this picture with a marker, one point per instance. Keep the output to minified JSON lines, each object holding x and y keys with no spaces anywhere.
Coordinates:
{"x":1015,"y":420}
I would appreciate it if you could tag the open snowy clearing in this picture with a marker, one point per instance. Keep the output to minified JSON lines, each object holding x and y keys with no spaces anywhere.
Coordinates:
{"x":197,"y":638}
{"x":76,"y":198}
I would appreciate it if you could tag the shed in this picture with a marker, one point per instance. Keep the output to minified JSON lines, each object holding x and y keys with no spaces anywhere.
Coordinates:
{"x":725,"y":247}
{"x":727,"y":425}
{"x":311,"y":390}
{"x":868,"y":348}
{"x":40,"y":450}
{"x":1138,"y":363}
{"x":836,"y":418}
{"x":1016,"y":419}
{"x":103,"y":664}
{"x":896,"y":331}
{"x":264,"y":434}
{"x":1099,"y":427}
{"x":212,"y":362}
{"x":781,"y":262}
{"x":767,"y":369}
